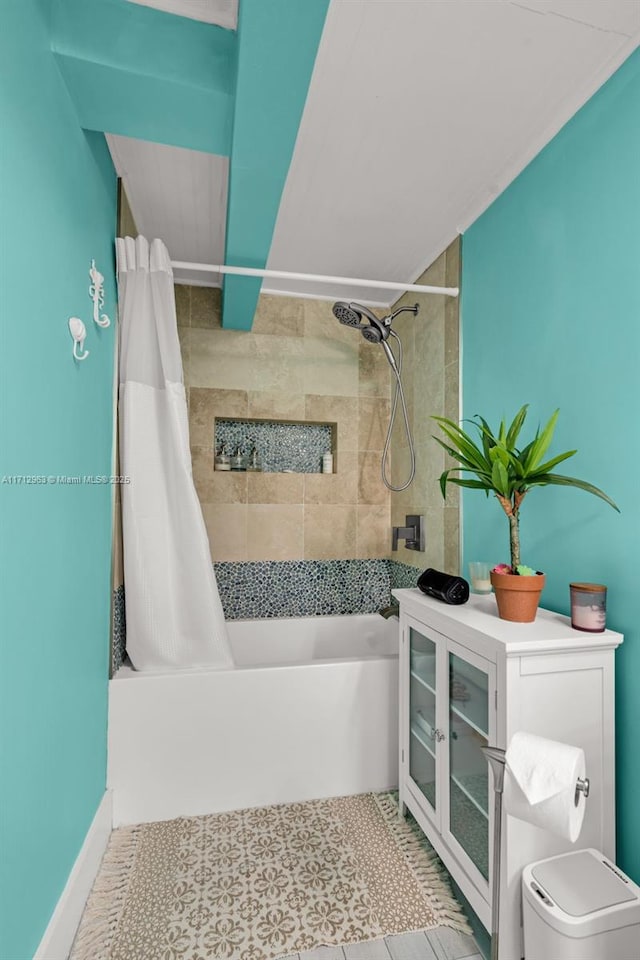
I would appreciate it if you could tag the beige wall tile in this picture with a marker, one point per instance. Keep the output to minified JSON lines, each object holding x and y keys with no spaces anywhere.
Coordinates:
{"x":339,"y":487}
{"x":207,"y":403}
{"x":183,"y":304}
{"x":330,"y":367}
{"x":399,"y":470}
{"x":434,"y":391}
{"x":274,"y":532}
{"x":205,"y":307}
{"x":452,"y":540}
{"x":374,"y":375}
{"x":339,"y":410}
{"x":373,"y":531}
{"x":453,"y":255}
{"x":226,"y":525}
{"x":319,"y":322}
{"x":373,"y":422}
{"x":451,"y":391}
{"x":275,"y":487}
{"x":277,"y":372}
{"x":370,"y":486}
{"x":278,"y":406}
{"x":228,"y":486}
{"x":451,"y":331}
{"x":329,"y":532}
{"x":279,"y":316}
{"x":231,"y":359}
{"x":202,"y":468}
{"x":126,"y":223}
{"x":184,"y":336}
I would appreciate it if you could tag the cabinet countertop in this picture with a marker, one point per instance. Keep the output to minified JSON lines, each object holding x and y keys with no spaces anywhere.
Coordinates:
{"x":549,"y":632}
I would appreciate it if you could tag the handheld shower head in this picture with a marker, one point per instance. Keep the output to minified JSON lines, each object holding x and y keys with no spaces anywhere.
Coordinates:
{"x":352,"y":315}
{"x":375,"y":330}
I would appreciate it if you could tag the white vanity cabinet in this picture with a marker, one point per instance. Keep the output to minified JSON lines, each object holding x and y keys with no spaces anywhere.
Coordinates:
{"x":469,"y":679}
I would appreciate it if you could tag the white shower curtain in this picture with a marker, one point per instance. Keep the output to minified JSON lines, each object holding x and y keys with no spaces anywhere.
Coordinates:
{"x":174,"y":614}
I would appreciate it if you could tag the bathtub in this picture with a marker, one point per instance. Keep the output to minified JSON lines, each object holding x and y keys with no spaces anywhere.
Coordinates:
{"x":310,"y":710}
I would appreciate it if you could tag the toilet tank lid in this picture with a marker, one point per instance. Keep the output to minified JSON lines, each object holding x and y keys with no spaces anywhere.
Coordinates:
{"x":584,"y":882}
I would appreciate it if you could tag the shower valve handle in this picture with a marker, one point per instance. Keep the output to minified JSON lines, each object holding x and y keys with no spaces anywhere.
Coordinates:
{"x":412,"y":534}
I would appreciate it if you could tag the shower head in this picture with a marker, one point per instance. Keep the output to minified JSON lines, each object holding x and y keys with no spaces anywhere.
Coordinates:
{"x":352,"y":314}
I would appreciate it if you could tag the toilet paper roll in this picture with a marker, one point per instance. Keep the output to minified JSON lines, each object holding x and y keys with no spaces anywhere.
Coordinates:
{"x":540,"y":784}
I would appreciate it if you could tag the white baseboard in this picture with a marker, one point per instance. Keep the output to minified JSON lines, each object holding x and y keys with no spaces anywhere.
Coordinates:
{"x":58,"y":937}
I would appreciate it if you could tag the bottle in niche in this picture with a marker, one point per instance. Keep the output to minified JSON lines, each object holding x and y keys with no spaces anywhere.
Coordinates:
{"x":221,"y":460}
{"x":237,"y":460}
{"x":254,"y":464}
{"x":327,"y":462}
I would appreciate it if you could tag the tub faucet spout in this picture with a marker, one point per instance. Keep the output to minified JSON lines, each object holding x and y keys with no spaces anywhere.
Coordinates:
{"x":393,"y":610}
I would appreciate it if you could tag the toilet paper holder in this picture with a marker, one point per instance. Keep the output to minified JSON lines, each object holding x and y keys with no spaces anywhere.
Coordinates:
{"x":582,"y":787}
{"x":496,"y":758}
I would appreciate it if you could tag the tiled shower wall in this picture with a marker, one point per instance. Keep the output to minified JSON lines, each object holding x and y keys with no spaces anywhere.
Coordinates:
{"x":431,"y":379}
{"x":298,"y":363}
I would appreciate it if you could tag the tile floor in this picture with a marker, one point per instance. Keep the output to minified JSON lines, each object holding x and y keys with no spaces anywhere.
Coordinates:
{"x":441,"y":943}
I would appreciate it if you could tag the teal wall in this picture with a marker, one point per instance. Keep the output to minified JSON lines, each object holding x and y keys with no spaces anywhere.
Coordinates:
{"x":551,"y":315}
{"x":143,"y":73}
{"x":57,"y":209}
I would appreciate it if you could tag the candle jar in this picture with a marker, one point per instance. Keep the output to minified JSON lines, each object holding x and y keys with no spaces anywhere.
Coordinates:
{"x":588,"y":606}
{"x":480,"y":577}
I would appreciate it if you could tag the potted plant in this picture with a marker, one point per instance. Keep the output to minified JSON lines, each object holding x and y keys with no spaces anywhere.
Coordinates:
{"x":508,"y":471}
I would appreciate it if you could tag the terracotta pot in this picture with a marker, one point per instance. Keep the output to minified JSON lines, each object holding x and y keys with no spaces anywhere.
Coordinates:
{"x":517,"y":597}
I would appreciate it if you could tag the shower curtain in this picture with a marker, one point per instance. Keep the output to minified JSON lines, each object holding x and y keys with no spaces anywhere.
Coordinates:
{"x":174,"y":614}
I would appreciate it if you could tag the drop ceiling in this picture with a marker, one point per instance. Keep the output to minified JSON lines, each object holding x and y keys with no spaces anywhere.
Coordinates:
{"x":419,"y":113}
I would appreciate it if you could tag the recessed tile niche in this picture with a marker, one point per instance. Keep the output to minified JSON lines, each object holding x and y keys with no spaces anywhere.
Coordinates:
{"x":283,"y":446}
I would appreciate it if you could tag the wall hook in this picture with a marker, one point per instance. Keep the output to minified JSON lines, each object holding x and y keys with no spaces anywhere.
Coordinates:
{"x":78,"y":331}
{"x":96,"y":292}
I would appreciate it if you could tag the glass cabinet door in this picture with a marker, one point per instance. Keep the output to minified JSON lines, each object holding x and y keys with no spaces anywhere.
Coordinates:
{"x":469,"y":689}
{"x":423,"y":733}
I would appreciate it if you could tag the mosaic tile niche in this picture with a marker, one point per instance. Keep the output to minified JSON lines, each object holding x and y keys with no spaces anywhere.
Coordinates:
{"x":281,"y":447}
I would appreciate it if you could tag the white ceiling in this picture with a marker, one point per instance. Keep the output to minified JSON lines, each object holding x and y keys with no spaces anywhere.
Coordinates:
{"x":419,"y":113}
{"x":222,"y":12}
{"x":179,"y":195}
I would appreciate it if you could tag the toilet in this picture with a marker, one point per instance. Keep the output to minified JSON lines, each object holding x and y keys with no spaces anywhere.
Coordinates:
{"x":580,"y":906}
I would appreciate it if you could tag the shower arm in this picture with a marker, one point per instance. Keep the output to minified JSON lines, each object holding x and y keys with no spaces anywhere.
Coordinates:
{"x":389,"y":320}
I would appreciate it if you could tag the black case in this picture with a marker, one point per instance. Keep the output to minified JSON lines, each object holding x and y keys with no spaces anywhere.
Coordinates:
{"x":444,"y":586}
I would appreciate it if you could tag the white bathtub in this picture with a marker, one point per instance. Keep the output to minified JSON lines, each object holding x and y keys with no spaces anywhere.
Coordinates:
{"x":309,"y":711}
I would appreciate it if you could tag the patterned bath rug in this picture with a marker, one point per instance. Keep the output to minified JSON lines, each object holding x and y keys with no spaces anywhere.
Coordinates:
{"x":263,"y":883}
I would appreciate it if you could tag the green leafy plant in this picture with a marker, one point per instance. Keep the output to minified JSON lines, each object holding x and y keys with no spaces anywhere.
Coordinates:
{"x":501,"y":467}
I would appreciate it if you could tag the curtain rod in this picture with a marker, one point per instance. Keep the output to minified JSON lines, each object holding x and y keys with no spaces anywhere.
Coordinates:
{"x":317,"y":278}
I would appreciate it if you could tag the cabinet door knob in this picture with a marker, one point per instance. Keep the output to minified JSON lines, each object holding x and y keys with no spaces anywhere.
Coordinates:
{"x":439,"y":735}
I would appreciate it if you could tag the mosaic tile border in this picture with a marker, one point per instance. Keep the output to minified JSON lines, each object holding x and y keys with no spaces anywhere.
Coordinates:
{"x":403,"y":575}
{"x":266,"y":589}
{"x":119,"y":630}
{"x":301,"y":588}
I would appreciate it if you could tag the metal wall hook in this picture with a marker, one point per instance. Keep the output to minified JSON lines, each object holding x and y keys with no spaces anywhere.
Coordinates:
{"x":78,"y":331}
